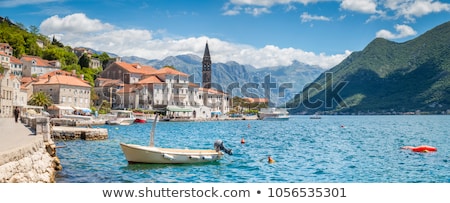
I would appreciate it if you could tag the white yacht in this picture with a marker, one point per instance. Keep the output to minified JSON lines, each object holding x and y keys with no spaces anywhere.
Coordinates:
{"x":273,"y":114}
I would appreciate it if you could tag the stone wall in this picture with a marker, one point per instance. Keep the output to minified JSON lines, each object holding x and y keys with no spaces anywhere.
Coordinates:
{"x":35,"y":162}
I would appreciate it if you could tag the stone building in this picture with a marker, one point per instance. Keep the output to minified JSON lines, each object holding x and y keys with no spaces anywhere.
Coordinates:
{"x":36,"y":66}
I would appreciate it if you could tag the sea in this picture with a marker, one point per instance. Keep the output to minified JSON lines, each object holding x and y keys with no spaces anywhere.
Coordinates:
{"x":333,"y":149}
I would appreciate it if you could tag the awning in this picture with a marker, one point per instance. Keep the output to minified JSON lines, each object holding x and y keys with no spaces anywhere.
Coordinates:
{"x":86,"y":110}
{"x":33,"y":107}
{"x":59,"y":107}
{"x":178,"y":109}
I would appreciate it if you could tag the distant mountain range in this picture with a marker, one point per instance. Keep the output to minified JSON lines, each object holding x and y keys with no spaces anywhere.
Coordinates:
{"x":243,"y":80}
{"x":385,"y":77}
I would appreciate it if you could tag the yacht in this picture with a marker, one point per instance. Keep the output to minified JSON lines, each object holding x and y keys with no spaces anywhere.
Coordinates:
{"x":273,"y":114}
{"x":122,"y":117}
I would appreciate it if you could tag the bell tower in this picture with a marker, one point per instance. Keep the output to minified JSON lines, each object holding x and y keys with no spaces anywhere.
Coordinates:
{"x":206,"y":68}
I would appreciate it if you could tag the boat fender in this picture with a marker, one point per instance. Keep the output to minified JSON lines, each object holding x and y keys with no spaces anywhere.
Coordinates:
{"x":207,"y":157}
{"x":194,"y":157}
{"x":166,"y":156}
{"x":270,"y":160}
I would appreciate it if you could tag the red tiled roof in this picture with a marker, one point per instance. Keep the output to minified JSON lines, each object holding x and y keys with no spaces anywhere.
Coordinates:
{"x":193,"y":85}
{"x":56,"y":72}
{"x":106,"y":82}
{"x":150,"y":80}
{"x":211,"y":91}
{"x":3,"y":53}
{"x":129,"y":88}
{"x":257,"y":100}
{"x":136,"y":68}
{"x":170,"y":71}
{"x":15,"y":60}
{"x":39,"y":60}
{"x":11,"y":76}
{"x":62,"y":80}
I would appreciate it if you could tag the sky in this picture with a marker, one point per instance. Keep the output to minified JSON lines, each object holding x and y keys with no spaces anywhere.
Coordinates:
{"x":261,"y":33}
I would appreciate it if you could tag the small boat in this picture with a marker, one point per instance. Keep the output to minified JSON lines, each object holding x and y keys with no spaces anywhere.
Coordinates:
{"x":121,"y":117}
{"x":140,"y":118}
{"x":157,"y":155}
{"x":273,"y":114}
{"x":315,"y":116}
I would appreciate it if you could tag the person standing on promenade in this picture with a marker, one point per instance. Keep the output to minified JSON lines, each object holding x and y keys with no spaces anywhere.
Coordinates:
{"x":16,"y":113}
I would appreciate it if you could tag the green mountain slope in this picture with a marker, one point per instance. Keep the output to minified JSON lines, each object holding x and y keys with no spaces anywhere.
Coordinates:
{"x":385,"y":77}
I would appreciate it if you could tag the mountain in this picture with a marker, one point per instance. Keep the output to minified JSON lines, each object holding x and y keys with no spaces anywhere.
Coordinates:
{"x":240,"y":79}
{"x":385,"y":77}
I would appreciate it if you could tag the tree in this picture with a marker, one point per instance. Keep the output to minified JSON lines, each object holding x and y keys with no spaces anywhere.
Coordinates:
{"x":84,"y":61}
{"x":40,"y":99}
{"x":34,"y":30}
{"x":104,"y":59}
{"x":56,"y":42}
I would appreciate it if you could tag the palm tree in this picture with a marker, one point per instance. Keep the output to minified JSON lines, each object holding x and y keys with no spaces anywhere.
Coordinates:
{"x":40,"y":99}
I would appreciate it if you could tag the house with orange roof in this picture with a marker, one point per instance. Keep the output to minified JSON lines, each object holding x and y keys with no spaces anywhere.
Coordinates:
{"x":106,"y":89}
{"x":7,"y":49}
{"x":34,"y":65}
{"x":5,"y":60}
{"x":152,"y":95}
{"x":216,"y":100}
{"x":128,"y":73}
{"x":165,"y":89}
{"x":65,"y":91}
{"x":93,"y":62}
{"x":130,"y":97}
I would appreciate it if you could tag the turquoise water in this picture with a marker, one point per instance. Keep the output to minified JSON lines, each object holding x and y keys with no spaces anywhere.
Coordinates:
{"x":342,"y":149}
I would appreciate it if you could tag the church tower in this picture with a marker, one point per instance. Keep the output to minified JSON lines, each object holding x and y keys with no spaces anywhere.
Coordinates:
{"x":206,"y":68}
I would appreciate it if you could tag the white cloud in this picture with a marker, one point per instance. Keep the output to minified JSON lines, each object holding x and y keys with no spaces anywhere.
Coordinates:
{"x":135,"y":42}
{"x":306,"y":17}
{"x":258,"y":7}
{"x":269,"y":3}
{"x":14,"y":3}
{"x":256,"y":11}
{"x":75,"y":23}
{"x":403,"y":31}
{"x":416,"y":8}
{"x":363,"y":6}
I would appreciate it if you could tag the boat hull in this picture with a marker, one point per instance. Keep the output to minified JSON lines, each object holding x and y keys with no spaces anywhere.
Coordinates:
{"x":140,"y":120}
{"x":156,"y":155}
{"x":124,"y":121}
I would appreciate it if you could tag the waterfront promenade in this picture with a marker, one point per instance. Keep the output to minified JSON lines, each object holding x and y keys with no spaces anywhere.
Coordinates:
{"x":25,"y":157}
{"x":14,"y":135}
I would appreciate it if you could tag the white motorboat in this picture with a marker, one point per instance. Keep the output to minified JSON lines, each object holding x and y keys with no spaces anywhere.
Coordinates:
{"x":121,"y":117}
{"x":273,"y":114}
{"x":156,"y":155}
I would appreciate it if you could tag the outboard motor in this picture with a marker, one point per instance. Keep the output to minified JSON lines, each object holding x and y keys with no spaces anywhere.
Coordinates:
{"x":218,"y":145}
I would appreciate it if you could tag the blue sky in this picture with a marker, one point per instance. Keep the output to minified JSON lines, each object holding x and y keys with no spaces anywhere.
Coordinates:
{"x":261,"y":33}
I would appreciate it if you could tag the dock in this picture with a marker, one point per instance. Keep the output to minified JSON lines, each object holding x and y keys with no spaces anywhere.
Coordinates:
{"x":78,"y":133}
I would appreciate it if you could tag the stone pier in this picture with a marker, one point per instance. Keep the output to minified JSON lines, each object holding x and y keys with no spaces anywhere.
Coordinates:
{"x":78,"y":133}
